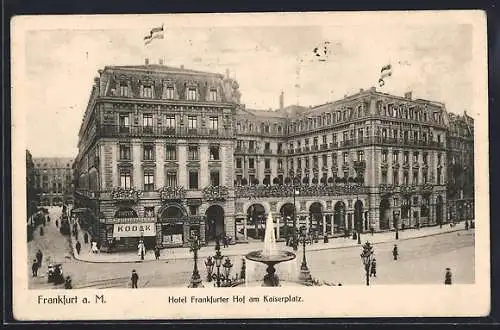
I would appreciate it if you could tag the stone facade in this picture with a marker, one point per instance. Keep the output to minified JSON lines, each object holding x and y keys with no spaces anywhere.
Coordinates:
{"x":53,"y":180}
{"x":175,"y":148}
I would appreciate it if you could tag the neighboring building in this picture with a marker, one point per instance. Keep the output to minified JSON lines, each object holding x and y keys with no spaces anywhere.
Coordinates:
{"x":53,"y":178}
{"x":461,"y":167}
{"x":165,"y":153}
{"x":31,"y":197}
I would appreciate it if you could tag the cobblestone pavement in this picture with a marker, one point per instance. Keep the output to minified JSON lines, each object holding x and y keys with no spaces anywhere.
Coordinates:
{"x":422,"y":261}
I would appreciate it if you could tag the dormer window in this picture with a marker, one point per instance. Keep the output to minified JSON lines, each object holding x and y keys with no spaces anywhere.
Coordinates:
{"x":191,"y":94}
{"x":212,"y":96}
{"x":124,"y":90}
{"x":147,"y":92}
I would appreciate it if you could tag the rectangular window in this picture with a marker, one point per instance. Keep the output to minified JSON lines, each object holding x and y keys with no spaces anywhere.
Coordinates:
{"x":238,"y":162}
{"x":280,"y":164}
{"x":384,"y":156}
{"x":267,"y":146}
{"x":267,"y":163}
{"x":415,"y":178}
{"x":299,"y":163}
{"x":315,"y":142}
{"x":147,"y":92}
{"x":345,"y":136}
{"x":406,"y":157}
{"x":124,"y":123}
{"x":170,"y":121}
{"x":405,"y":178}
{"x":214,"y":153}
{"x":325,"y":160}
{"x":425,"y":176}
{"x":193,"y":152}
{"x":169,"y":93}
{"x":148,"y":152}
{"x":192,"y":122}
{"x":214,"y":178}
{"x":306,"y":161}
{"x":191,"y":94}
{"x":334,"y":136}
{"x":280,"y":147}
{"x":239,"y":177}
{"x":125,"y":152}
{"x":124,"y":90}
{"x":125,"y":180}
{"x":395,"y":178}
{"x":384,"y":177}
{"x":415,"y":157}
{"x":193,"y":179}
{"x":149,"y":181}
{"x":251,"y":144}
{"x":361,"y":156}
{"x":213,"y":124}
{"x":345,"y":155}
{"x":147,"y":123}
{"x":426,"y":157}
{"x":334,"y":159}
{"x":251,"y":163}
{"x":213,"y":95}
{"x":315,"y":161}
{"x":324,"y":139}
{"x":171,"y":152}
{"x":171,"y":179}
{"x":395,"y":156}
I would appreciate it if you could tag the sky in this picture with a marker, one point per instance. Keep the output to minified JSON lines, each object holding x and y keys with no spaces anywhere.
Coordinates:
{"x":433,"y":61}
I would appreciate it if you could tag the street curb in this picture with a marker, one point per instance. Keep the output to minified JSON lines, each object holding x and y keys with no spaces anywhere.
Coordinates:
{"x":235,"y":254}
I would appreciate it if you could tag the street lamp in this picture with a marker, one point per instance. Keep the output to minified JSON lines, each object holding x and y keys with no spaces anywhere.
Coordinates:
{"x":305,"y":274}
{"x":224,"y":278}
{"x":367,"y":257}
{"x":195,"y":277}
{"x":357,"y":212}
{"x":396,"y":222}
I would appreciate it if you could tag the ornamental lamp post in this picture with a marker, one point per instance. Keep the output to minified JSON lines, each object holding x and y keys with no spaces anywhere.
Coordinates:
{"x":195,"y":277}
{"x":367,"y":257}
{"x":295,"y":182}
{"x":396,"y":220}
{"x":227,"y":269}
{"x":218,"y":261}
{"x":305,"y":274}
{"x":209,"y":264}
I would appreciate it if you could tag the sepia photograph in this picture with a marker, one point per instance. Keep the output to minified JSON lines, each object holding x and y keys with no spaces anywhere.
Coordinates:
{"x":227,"y":164}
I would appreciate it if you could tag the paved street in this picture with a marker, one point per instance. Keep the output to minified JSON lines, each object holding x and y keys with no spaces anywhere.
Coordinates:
{"x":422,"y":261}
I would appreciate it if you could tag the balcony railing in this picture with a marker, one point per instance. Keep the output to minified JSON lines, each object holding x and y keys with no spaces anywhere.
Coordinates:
{"x":124,"y":131}
{"x":125,"y":194}
{"x":215,"y":193}
{"x":172,"y":193}
{"x":256,"y":191}
{"x":324,"y":146}
{"x":268,"y":151}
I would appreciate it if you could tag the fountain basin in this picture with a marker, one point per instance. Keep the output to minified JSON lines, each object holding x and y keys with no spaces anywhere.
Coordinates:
{"x":277,"y":257}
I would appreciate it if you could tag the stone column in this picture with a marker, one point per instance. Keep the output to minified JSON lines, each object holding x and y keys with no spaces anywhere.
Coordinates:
{"x":136,"y":161}
{"x":278,"y":227}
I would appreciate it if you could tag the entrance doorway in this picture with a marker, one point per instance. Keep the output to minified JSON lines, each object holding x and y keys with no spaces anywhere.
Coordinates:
{"x":385,"y":214}
{"x":214,"y":226}
{"x":339,"y":217}
{"x":256,"y":214}
{"x":358,"y":215}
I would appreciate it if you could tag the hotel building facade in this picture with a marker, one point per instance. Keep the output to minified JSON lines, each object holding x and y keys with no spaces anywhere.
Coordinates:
{"x":166,"y":153}
{"x":53,"y":180}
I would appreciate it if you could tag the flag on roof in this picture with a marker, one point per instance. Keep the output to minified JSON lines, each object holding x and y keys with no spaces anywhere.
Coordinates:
{"x":155,"y":33}
{"x":386,"y":68}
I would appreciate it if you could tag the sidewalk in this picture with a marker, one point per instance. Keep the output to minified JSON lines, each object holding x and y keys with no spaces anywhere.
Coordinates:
{"x":241,"y":249}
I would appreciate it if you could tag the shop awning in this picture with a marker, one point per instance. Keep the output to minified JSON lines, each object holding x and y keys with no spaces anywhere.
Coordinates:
{"x":132,"y":220}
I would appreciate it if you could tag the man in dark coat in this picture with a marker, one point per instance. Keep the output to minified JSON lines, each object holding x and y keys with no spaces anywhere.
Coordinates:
{"x":67,"y":283}
{"x":134,"y":279}
{"x":85,"y":238}
{"x":447,"y":277}
{"x":157,"y":252}
{"x":39,"y":256}
{"x":34,"y":268}
{"x":78,"y":247}
{"x":395,"y":252}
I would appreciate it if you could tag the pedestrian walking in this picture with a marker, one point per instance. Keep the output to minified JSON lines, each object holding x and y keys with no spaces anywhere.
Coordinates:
{"x":373,"y":268}
{"x":41,"y":231}
{"x":372,"y":230}
{"x":57,"y":224}
{"x":67,"y":283}
{"x":134,"y":279}
{"x":447,"y":277}
{"x":34,"y":268}
{"x":85,"y":238}
{"x":395,"y":252}
{"x":224,"y":240}
{"x":39,"y":256}
{"x":157,"y":252}
{"x":78,"y":247}
{"x":48,"y":218}
{"x":466,"y":225}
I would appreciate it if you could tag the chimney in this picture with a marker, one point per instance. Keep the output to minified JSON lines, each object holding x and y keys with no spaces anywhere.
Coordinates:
{"x":160,"y":61}
{"x":282,"y":99}
{"x":408,"y":95}
{"x":361,"y":90}
{"x":373,"y":89}
{"x":182,"y":66}
{"x":146,"y":61}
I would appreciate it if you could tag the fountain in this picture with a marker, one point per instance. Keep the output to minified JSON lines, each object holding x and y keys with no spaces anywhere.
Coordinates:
{"x":270,"y":255}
